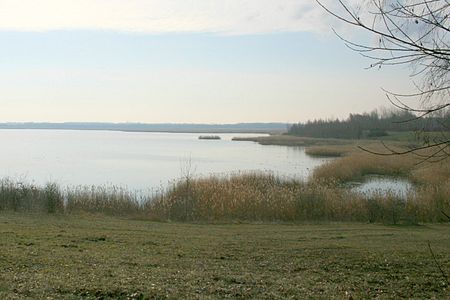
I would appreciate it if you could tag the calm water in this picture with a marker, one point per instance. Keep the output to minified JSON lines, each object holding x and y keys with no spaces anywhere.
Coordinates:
{"x":139,"y":161}
{"x":385,"y":185}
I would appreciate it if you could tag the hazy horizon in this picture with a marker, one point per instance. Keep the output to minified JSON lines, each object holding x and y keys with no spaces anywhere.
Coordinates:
{"x":198,"y":62}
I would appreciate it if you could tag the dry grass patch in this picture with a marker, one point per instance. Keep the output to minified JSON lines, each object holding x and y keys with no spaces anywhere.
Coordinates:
{"x":358,"y":164}
{"x":267,"y":198}
{"x":330,"y":151}
{"x":290,"y":140}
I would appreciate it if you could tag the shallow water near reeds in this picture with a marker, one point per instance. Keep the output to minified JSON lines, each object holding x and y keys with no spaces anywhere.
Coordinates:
{"x":379,"y":185}
{"x":139,"y":161}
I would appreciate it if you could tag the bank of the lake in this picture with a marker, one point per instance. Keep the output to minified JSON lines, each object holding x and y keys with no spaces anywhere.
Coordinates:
{"x":249,"y":197}
{"x":353,"y":160}
{"x":407,"y":177}
{"x":289,"y":140}
{"x":341,"y":145}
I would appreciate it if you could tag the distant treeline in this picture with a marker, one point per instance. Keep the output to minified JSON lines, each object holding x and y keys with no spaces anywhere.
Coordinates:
{"x":155,"y":127}
{"x":372,"y":124}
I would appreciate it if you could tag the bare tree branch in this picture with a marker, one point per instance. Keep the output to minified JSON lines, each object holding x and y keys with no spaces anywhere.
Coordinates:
{"x":415,"y":33}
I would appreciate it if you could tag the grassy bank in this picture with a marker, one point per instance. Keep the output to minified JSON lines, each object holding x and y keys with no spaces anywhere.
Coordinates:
{"x":353,"y":163}
{"x":289,"y":140}
{"x":97,"y":257}
{"x":394,"y":138}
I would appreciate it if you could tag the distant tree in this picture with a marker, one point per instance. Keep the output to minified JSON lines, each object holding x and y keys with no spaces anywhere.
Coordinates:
{"x":368,"y":125}
{"x":407,"y":32}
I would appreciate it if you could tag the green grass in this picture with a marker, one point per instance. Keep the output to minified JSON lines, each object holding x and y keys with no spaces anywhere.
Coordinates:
{"x":97,"y":257}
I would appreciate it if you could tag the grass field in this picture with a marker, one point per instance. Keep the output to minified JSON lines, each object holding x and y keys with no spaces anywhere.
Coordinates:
{"x":98,"y":257}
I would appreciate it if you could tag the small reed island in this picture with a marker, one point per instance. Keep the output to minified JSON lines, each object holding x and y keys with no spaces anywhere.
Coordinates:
{"x":209,"y":137}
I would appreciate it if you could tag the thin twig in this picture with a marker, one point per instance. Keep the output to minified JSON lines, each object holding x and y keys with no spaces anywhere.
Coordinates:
{"x":444,"y":275}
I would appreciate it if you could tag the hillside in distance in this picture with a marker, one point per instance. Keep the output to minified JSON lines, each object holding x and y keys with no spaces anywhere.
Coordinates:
{"x":155,"y":127}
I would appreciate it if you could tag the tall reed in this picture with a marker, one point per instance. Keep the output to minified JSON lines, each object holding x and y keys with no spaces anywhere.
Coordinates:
{"x":260,"y":197}
{"x":236,"y":197}
{"x":357,"y":165}
{"x":109,"y":200}
{"x":19,"y":196}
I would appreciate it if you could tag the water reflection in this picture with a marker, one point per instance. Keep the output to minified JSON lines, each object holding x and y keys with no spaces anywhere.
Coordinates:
{"x":380,"y":185}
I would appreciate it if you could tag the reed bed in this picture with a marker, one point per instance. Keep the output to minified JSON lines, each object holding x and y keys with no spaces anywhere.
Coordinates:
{"x":355,"y":162}
{"x":109,"y":200}
{"x":329,"y":151}
{"x":432,"y":174}
{"x":267,"y":198}
{"x":209,"y":137}
{"x":18,"y":196}
{"x":354,"y":167}
{"x":248,"y":197}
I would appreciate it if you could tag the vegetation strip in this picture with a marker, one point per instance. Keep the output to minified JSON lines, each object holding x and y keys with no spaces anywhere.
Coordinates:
{"x":245,"y":197}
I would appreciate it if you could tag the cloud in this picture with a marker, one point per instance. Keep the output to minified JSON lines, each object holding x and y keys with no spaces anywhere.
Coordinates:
{"x":164,"y":16}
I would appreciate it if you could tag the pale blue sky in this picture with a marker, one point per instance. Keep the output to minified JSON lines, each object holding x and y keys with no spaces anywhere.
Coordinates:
{"x":218,"y":69}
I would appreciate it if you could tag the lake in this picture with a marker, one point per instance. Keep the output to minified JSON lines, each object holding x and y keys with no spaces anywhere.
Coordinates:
{"x":138,"y":160}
